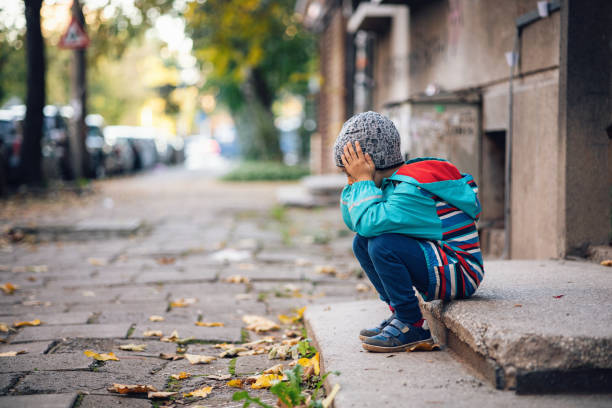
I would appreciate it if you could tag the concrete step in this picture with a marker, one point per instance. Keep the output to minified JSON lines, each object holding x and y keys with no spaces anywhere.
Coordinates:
{"x":534,"y":326}
{"x":89,"y":229}
{"x":418,"y":379}
{"x":313,"y":191}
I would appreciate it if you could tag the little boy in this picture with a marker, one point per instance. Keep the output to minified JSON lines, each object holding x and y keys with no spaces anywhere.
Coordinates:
{"x":415,"y":225}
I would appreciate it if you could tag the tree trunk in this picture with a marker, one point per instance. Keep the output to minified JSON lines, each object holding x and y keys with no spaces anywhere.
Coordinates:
{"x":30,"y":170}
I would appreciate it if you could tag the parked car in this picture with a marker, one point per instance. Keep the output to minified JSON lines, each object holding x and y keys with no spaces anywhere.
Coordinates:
{"x":120,"y":155}
{"x":96,"y":145}
{"x":8,"y":136}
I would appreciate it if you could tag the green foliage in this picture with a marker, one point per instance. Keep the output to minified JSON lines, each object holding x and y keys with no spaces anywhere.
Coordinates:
{"x":290,"y":392}
{"x":265,"y":171}
{"x":305,"y":349}
{"x":248,"y":400}
{"x":232,"y":366}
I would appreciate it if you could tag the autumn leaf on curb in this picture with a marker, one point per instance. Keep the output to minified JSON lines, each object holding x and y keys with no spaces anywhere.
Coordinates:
{"x":237,"y":279}
{"x":182,"y":302}
{"x":133,"y":347}
{"x":4,"y":328}
{"x":266,"y":381}
{"x":160,"y":394}
{"x":237,"y":383}
{"x":132,"y":388}
{"x":326,"y":270}
{"x":155,"y":318}
{"x":201,"y":392}
{"x":277,"y":369}
{"x":153,"y":333}
{"x":166,"y":260}
{"x":8,"y":288}
{"x":174,"y":336}
{"x":101,"y":356}
{"x":607,"y":262}
{"x":311,"y":362}
{"x":35,"y":322}
{"x":181,"y":376}
{"x":199,"y":359}
{"x":259,"y":324}
{"x":97,"y":261}
{"x":209,"y":324}
{"x":172,"y":357}
{"x":292,"y":319}
{"x":12,"y":353}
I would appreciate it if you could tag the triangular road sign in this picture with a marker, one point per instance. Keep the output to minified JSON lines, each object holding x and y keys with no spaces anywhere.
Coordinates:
{"x":74,"y":37}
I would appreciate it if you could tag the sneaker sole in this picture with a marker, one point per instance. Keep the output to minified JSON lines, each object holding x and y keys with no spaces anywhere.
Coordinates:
{"x":403,"y":347}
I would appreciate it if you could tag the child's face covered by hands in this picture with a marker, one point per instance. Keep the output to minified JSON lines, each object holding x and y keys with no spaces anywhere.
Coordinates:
{"x":358,"y":165}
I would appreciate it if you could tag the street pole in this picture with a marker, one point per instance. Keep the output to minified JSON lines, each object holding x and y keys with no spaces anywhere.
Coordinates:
{"x":78,"y":151}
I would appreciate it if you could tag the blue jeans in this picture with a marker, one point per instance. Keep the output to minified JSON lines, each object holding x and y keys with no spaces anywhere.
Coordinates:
{"x":394,"y":264}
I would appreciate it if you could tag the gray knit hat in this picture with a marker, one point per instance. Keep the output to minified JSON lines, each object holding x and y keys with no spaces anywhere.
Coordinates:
{"x":377,"y":136}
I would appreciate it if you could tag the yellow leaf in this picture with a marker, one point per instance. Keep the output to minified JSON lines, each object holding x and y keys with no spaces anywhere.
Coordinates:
{"x":132,"y":388}
{"x":311,"y":362}
{"x":209,"y":324}
{"x":8,"y":288}
{"x":181,"y":376}
{"x":160,"y":394}
{"x":300,"y":311}
{"x":235,"y":383}
{"x":202,"y":392}
{"x":183,"y":302}
{"x":425,"y":347}
{"x":172,"y":357}
{"x":101,"y":356}
{"x":237,"y":279}
{"x":277,"y":369}
{"x":199,"y":359}
{"x":607,"y":262}
{"x":153,"y":333}
{"x":35,"y":322}
{"x":259,"y":323}
{"x":155,"y":318}
{"x":12,"y":353}
{"x":266,"y":381}
{"x":174,"y":336}
{"x":362,"y":287}
{"x":37,"y":268}
{"x":97,"y":261}
{"x":326,"y":270}
{"x":287,"y":319}
{"x":326,"y":403}
{"x":133,"y":347}
{"x":4,"y":328}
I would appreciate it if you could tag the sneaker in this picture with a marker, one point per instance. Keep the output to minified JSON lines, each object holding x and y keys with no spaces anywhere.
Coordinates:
{"x":398,"y":336}
{"x":365,"y":333}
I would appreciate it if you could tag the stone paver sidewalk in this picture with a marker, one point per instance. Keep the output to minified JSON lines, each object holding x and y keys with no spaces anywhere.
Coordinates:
{"x":98,"y":294}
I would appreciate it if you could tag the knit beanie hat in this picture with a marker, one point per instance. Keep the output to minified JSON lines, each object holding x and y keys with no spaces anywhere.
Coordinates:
{"x":377,"y":136}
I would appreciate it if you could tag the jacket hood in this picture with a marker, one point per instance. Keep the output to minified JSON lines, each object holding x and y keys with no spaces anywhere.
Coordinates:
{"x":443,"y":179}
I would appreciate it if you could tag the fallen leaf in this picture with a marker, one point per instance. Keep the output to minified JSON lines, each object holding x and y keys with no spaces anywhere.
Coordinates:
{"x":199,"y":359}
{"x":181,"y":376}
{"x":237,"y":383}
{"x":326,"y":403}
{"x":277,"y":369}
{"x":311,"y":362}
{"x":88,"y":293}
{"x":237,"y":279}
{"x":201,"y":392}
{"x":8,"y":288}
{"x":166,"y":260}
{"x":558,"y":296}
{"x":266,"y":381}
{"x":326,"y":270}
{"x":219,"y":377}
{"x":101,"y":356}
{"x":160,"y":394}
{"x":362,"y":287}
{"x":133,"y":347}
{"x":132,"y":388}
{"x":232,"y":352}
{"x":12,"y":353}
{"x":156,"y":318}
{"x":302,"y":262}
{"x":153,"y":333}
{"x":209,"y":324}
{"x":172,"y":357}
{"x":292,"y":319}
{"x":424,"y":347}
{"x":37,"y":268}
{"x":259,"y":324}
{"x":607,"y":262}
{"x":518,"y":305}
{"x":224,"y":346}
{"x":97,"y":261}
{"x":174,"y":336}
{"x":4,"y":328}
{"x":35,"y":322}
{"x":183,"y":302}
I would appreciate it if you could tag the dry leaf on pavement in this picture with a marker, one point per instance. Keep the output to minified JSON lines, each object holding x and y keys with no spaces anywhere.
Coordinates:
{"x":172,"y":357}
{"x":132,"y":388}
{"x":97,"y":261}
{"x":199,"y":359}
{"x":266,"y":381}
{"x":174,"y":336}
{"x":153,"y":333}
{"x":4,"y":328}
{"x":326,"y":403}
{"x":424,"y":347}
{"x":232,"y":352}
{"x":237,"y":279}
{"x":259,"y":324}
{"x":277,"y":369}
{"x":181,"y":376}
{"x":237,"y":383}
{"x":156,"y":318}
{"x":182,"y":302}
{"x":607,"y":262}
{"x":209,"y":324}
{"x":311,"y":362}
{"x":166,"y":260}
{"x":35,"y":322}
{"x":101,"y":356}
{"x":219,"y":377}
{"x":12,"y":353}
{"x":326,"y":270}
{"x":133,"y":347}
{"x":362,"y":287}
{"x":201,"y":392}
{"x":160,"y":394}
{"x":292,"y":319}
{"x":8,"y":288}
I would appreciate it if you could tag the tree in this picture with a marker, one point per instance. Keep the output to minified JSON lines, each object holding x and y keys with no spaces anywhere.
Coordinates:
{"x":250,"y":51}
{"x":30,"y":165}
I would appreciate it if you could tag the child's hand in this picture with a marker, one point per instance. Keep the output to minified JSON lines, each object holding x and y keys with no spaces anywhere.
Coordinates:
{"x":358,"y":165}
